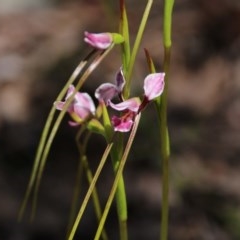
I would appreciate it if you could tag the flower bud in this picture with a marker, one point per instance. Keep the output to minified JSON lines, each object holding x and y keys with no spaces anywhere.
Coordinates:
{"x":98,"y":40}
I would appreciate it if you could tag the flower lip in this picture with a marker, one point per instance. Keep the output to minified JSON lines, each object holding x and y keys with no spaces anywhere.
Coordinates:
{"x":98,"y":40}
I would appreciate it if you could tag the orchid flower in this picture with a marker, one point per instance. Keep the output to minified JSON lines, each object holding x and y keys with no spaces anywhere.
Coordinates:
{"x":80,"y":108}
{"x":153,"y":87}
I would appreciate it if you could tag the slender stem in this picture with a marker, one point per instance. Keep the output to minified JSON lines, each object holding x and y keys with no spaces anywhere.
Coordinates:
{"x":116,"y":155}
{"x":83,"y":158}
{"x":89,"y":192}
{"x":45,"y":132}
{"x":165,"y":151}
{"x":117,"y":177}
{"x":121,"y":200}
{"x":58,"y":121}
{"x":165,"y":148}
{"x":136,"y":48}
{"x":95,"y":197}
{"x":124,"y":30}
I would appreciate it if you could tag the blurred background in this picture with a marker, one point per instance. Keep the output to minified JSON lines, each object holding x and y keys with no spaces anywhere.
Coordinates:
{"x":41,"y":42}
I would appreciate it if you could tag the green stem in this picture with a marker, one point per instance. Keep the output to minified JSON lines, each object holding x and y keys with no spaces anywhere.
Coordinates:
{"x":117,"y":177}
{"x":59,"y":119}
{"x":124,"y":30}
{"x":116,"y":155}
{"x":89,"y":192}
{"x":95,"y":197}
{"x":121,"y":201}
{"x":84,"y":165}
{"x":165,"y":148}
{"x":45,"y":133}
{"x":136,"y":48}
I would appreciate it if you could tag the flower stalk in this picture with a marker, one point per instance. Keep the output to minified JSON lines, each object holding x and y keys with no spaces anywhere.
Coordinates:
{"x":162,"y":108}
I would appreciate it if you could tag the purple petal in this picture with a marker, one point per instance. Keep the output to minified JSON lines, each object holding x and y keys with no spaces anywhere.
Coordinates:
{"x":154,"y":85}
{"x":98,"y":40}
{"x":85,"y":101}
{"x":81,"y":111}
{"x":106,"y":92}
{"x":131,"y":104}
{"x":120,"y":80}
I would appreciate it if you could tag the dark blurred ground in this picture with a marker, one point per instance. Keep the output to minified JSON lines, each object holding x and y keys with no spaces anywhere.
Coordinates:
{"x":42,"y":42}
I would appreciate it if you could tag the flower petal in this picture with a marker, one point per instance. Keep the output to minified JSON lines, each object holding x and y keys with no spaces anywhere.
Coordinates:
{"x":131,"y":104}
{"x":85,"y":101}
{"x":120,"y":80}
{"x":106,"y":92}
{"x":154,"y":85}
{"x":98,"y":40}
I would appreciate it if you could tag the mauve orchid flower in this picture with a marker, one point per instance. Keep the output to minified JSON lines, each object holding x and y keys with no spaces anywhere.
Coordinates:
{"x":98,"y":40}
{"x":80,"y":108}
{"x":107,"y":91}
{"x":153,"y":87}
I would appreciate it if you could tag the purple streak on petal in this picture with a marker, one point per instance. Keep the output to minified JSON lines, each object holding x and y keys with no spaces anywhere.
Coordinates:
{"x":120,"y":80}
{"x":154,"y":85}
